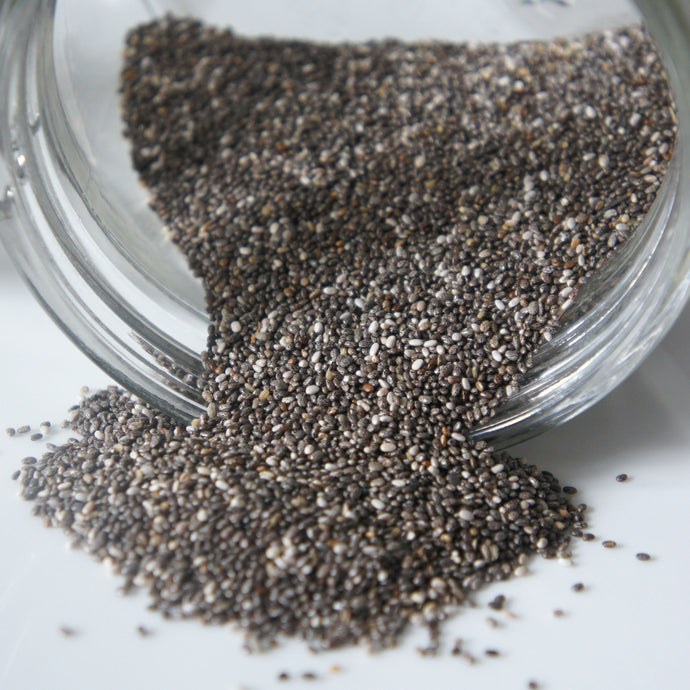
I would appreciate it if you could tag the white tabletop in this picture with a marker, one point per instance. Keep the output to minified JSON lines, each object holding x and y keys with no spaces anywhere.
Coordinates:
{"x":629,"y":629}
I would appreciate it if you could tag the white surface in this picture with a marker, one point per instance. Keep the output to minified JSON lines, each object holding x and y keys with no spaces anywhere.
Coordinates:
{"x":628,"y":630}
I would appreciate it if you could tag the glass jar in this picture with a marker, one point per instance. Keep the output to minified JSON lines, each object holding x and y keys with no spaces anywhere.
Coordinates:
{"x":76,"y":221}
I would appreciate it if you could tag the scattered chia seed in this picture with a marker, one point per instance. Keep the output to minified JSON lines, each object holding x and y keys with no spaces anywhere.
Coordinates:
{"x":578,"y":587}
{"x":386,"y":232}
{"x":497,"y":602}
{"x":29,"y":460}
{"x":569,"y":490}
{"x":559,"y":613}
{"x":24,"y":429}
{"x":622,"y":478}
{"x":37,"y":436}
{"x":588,"y":536}
{"x":10,"y":431}
{"x":492,"y":652}
{"x":309,"y":675}
{"x":67,"y":631}
{"x":642,"y":556}
{"x":15,"y":475}
{"x":456,"y":650}
{"x":144,"y":631}
{"x":608,"y":544}
{"x":284,"y":676}
{"x":429,"y":650}
{"x":533,"y":685}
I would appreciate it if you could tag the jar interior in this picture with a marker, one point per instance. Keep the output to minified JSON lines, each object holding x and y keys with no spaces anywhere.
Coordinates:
{"x":88,"y":64}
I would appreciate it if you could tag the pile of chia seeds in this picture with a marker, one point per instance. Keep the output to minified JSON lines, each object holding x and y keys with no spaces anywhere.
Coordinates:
{"x":386,"y":232}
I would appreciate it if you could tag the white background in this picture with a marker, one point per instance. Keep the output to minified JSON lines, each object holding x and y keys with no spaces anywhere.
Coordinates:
{"x":629,"y":629}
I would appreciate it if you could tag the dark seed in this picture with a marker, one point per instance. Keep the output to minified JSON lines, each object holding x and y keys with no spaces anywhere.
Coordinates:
{"x":144,"y":631}
{"x":622,"y":478}
{"x":642,"y":556}
{"x":309,"y":675}
{"x":284,"y":675}
{"x":67,"y":631}
{"x":569,"y":490}
{"x":497,"y":602}
{"x":588,"y":536}
{"x":608,"y":544}
{"x":10,"y":431}
{"x":559,"y":613}
{"x":37,"y":436}
{"x":23,"y":429}
{"x":491,"y":652}
{"x":578,"y":587}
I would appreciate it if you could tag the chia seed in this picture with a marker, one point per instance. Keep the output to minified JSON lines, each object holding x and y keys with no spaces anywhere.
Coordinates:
{"x":386,"y":233}
{"x":497,"y":602}
{"x":642,"y":556}
{"x":622,"y":478}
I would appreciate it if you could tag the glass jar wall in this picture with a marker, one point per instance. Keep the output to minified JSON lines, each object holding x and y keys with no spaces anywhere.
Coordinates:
{"x":75,"y":218}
